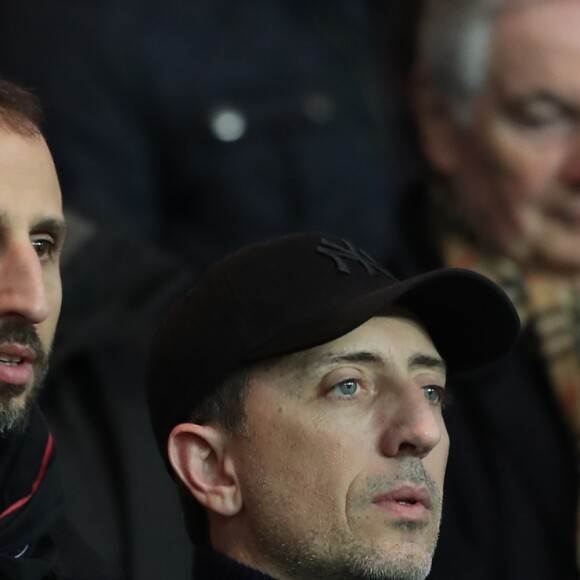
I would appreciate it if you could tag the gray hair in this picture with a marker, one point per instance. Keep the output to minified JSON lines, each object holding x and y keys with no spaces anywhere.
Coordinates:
{"x":454,"y":43}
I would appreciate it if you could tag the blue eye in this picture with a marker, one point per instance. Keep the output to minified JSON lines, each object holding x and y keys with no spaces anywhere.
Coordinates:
{"x":346,"y":388}
{"x":434,"y":394}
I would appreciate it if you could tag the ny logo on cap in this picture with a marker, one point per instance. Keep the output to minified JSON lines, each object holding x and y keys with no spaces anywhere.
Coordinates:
{"x":346,"y":251}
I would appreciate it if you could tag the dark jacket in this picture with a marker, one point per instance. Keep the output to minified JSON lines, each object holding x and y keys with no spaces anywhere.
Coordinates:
{"x":36,"y":540}
{"x":511,"y":487}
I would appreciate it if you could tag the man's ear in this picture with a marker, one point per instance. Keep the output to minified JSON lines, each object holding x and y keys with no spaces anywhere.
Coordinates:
{"x":198,"y":455}
{"x":439,"y":132}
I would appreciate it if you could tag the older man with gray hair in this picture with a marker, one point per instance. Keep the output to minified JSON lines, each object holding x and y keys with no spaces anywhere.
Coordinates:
{"x":497,"y":96}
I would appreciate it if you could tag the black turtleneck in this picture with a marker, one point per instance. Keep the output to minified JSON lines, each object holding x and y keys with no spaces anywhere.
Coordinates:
{"x":211,"y":565}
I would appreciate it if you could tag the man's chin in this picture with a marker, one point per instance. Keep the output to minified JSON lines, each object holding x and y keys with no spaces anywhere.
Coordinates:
{"x":409,"y":562}
{"x":398,"y":555}
{"x":407,"y":554}
{"x":16,"y":402}
{"x":412,"y":551}
{"x":400,"y":561}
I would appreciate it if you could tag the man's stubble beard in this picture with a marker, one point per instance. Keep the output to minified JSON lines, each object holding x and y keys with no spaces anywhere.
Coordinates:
{"x":14,"y":417}
{"x":303,"y":556}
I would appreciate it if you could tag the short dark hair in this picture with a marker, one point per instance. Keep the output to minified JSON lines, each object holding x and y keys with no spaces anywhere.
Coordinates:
{"x":224,"y":408}
{"x":20,"y":110}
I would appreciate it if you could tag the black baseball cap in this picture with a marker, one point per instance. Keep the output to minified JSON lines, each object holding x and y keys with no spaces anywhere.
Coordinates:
{"x":299,"y":291}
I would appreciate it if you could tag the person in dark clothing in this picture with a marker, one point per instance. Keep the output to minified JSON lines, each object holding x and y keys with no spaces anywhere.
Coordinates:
{"x":193,"y":127}
{"x":190,"y":127}
{"x":36,"y":541}
{"x":296,"y":395}
{"x":497,"y":93}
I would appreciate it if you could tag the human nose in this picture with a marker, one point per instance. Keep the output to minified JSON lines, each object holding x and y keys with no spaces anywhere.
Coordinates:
{"x":22,"y":289}
{"x":413,"y":427}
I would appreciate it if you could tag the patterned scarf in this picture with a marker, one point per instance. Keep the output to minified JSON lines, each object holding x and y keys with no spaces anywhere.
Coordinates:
{"x":549,"y":304}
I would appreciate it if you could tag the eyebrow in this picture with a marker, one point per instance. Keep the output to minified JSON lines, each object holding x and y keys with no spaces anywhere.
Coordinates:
{"x":417,"y":361}
{"x":57,"y":227}
{"x":544,"y":97}
{"x":421,"y":360}
{"x":539,"y":95}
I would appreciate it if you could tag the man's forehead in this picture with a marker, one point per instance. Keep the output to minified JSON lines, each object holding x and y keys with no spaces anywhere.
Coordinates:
{"x":29,"y":188}
{"x":524,"y":43}
{"x":354,"y":341}
{"x":535,"y":15}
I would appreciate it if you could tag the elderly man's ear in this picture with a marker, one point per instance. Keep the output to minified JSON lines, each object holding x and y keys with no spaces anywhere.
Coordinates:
{"x":199,"y":456}
{"x":439,"y":132}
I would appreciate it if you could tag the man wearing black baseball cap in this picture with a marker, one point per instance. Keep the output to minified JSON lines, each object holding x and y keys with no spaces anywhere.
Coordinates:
{"x":296,"y":395}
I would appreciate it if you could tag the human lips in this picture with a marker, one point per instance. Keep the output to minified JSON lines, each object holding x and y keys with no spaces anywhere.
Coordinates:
{"x":406,"y":502}
{"x":16,"y":364}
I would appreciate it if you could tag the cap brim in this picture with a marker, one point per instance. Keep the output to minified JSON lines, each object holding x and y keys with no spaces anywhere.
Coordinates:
{"x":471,"y":322}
